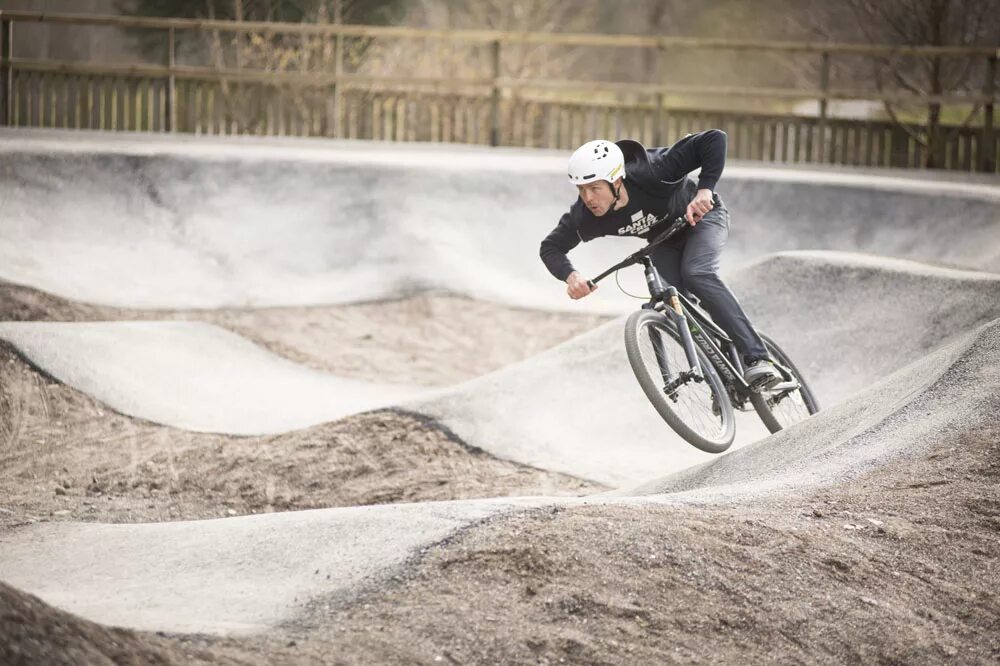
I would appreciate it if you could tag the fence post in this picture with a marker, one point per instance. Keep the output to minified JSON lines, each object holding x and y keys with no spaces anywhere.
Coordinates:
{"x":659,"y":138}
{"x":824,"y":87}
{"x":899,"y":148}
{"x":171,"y":118}
{"x":989,"y":148}
{"x":338,"y":68}
{"x":6,"y":72}
{"x":495,"y":105}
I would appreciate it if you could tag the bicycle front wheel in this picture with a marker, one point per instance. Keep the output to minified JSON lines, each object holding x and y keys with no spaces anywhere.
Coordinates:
{"x":699,"y":411}
{"x":781,"y":408}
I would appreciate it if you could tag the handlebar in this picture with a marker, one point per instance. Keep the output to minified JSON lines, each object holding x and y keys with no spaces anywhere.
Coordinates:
{"x":671,"y":231}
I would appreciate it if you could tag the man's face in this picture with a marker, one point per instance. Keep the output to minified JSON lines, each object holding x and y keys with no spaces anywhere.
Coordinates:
{"x":597,"y":196}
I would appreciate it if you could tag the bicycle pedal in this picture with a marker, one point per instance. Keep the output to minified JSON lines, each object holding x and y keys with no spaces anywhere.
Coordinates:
{"x":764,"y":384}
{"x":785,"y":372}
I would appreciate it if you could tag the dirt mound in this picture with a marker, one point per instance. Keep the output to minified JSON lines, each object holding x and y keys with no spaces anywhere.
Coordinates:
{"x":430,"y":339}
{"x":65,"y":456}
{"x":895,"y":567}
{"x":35,"y":633}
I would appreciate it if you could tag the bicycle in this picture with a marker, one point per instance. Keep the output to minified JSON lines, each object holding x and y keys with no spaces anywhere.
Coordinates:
{"x":690,"y":369}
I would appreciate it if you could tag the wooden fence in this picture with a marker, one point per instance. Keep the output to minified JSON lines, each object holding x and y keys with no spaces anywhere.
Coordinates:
{"x":492,"y":110}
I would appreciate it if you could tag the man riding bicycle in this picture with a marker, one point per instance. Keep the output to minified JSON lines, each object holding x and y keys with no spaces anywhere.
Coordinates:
{"x":658,"y":186}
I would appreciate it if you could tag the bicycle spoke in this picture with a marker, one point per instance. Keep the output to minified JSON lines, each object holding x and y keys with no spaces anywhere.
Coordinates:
{"x":790,"y":408}
{"x":693,"y":399}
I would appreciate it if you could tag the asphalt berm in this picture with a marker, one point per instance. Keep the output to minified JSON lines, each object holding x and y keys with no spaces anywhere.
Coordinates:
{"x":309,"y":429}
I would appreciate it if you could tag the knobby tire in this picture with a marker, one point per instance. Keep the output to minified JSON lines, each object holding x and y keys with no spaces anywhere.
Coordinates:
{"x":695,"y":426}
{"x":800,"y":403}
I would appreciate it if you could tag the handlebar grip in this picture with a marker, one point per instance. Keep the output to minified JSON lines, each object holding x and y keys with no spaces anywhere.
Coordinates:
{"x":591,"y":284}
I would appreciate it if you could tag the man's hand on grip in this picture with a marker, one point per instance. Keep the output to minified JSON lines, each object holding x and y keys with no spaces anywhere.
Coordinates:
{"x":577,"y":286}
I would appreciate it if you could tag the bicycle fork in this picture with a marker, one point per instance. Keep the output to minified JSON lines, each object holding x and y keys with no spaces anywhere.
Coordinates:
{"x":668,"y":295}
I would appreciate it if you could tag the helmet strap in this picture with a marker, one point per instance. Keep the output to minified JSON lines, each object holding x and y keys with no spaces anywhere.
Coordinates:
{"x":615,"y":191}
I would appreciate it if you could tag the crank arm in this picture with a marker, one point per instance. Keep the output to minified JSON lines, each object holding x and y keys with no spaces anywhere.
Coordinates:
{"x":784,"y":386}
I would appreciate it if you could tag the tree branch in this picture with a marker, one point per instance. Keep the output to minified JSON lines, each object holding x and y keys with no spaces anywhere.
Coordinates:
{"x":965,"y":123}
{"x":895,"y":118}
{"x":897,"y":73}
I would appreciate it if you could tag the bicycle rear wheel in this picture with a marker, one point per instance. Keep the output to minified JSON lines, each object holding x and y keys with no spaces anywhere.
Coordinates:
{"x":699,"y":411}
{"x":780,"y":409}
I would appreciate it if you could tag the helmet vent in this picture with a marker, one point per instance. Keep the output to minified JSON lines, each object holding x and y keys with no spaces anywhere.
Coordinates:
{"x":600,"y":160}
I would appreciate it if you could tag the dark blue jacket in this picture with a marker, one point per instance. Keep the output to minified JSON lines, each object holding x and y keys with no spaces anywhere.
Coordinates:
{"x":660,"y":172}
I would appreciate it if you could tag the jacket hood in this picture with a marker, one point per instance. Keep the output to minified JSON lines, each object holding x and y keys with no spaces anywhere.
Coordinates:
{"x":635,"y":153}
{"x":638,"y":165}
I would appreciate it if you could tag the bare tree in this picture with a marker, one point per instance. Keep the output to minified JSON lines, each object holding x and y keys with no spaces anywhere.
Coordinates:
{"x":519,"y":60}
{"x":245,"y":106}
{"x":930,"y":23}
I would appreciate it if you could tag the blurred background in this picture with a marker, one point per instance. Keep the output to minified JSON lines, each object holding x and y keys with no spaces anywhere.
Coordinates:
{"x":892,"y":83}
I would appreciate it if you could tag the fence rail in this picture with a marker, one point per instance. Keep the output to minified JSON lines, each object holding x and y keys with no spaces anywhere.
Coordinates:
{"x":492,"y":109}
{"x":490,"y":36}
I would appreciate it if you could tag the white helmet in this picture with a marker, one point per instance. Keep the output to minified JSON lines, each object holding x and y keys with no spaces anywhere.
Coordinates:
{"x":596,"y":160}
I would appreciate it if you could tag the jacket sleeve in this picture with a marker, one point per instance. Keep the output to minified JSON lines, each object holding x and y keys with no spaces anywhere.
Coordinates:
{"x":561,"y":240}
{"x":705,"y":149}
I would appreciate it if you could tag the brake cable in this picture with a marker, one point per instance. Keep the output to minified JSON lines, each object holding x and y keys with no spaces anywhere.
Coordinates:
{"x":622,"y":289}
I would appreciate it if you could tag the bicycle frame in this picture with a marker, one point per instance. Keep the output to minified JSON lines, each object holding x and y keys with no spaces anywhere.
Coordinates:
{"x":692,"y":323}
{"x":666,"y":299}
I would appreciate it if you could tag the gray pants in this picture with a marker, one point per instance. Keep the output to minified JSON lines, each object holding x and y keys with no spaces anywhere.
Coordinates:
{"x":690,"y":262}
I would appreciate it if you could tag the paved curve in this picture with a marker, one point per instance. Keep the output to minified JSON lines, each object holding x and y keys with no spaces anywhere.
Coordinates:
{"x":194,"y":376}
{"x":194,"y":224}
{"x":248,"y":574}
{"x":217,"y":222}
{"x":848,"y":320}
